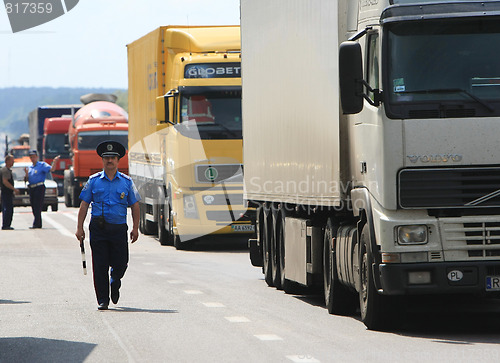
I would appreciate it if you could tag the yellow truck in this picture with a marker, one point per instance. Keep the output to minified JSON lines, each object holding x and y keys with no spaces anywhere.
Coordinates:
{"x":185,"y":132}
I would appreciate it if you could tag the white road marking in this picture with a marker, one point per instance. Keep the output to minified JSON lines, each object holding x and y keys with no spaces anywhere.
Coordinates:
{"x":175,"y":281}
{"x":71,"y":216}
{"x":193,"y":292}
{"x":213,"y":305}
{"x":237,"y":319}
{"x":60,"y":228}
{"x":268,"y":337}
{"x":302,"y":359}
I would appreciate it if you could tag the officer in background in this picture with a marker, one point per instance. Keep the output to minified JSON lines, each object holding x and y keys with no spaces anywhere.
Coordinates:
{"x":110,"y":193}
{"x":35,"y":176}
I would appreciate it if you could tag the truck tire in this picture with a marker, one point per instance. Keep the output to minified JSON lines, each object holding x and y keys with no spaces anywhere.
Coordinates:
{"x":75,"y":198}
{"x":267,"y":231}
{"x":141,"y":218}
{"x":148,"y":228}
{"x":374,"y":307}
{"x":67,"y":199}
{"x":339,"y":299}
{"x":170,"y":221}
{"x":275,"y":255}
{"x":54,"y":207}
{"x":287,"y":285}
{"x":162,"y":231}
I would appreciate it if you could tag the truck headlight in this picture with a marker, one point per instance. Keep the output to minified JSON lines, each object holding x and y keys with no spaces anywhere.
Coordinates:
{"x":190,"y":209}
{"x":412,"y":235}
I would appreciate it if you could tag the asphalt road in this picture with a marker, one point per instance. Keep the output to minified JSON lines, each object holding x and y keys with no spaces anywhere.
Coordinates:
{"x":205,"y":305}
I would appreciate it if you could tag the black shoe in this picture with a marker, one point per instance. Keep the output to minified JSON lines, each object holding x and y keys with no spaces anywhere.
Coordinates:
{"x":102,"y":306}
{"x":33,"y":227}
{"x":115,"y":293}
{"x":7,"y":228}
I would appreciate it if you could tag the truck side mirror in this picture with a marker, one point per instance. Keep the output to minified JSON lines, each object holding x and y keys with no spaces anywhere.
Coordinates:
{"x":162,"y":107}
{"x":351,"y":77}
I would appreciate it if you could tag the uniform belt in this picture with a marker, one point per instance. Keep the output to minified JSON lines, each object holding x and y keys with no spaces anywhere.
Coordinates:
{"x":36,"y":185}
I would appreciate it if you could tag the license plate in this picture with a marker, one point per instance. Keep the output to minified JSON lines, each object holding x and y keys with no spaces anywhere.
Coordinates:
{"x":492,"y":283}
{"x":243,"y":228}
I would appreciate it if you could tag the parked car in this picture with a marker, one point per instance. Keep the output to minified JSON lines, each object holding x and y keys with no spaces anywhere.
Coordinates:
{"x":23,"y":199}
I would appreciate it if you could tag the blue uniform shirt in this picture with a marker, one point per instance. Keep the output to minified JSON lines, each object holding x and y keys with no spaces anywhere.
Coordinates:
{"x":110,"y":197}
{"x":38,"y":172}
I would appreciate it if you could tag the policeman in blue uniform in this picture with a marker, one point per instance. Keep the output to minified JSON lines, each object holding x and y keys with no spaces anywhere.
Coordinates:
{"x":36,"y":175}
{"x":110,"y":193}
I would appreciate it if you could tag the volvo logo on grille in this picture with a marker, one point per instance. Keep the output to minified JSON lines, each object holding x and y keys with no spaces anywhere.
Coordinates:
{"x":211,"y":173}
{"x":435,"y":158}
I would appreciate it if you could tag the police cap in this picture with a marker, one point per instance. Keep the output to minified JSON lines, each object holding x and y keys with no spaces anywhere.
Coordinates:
{"x":110,"y":148}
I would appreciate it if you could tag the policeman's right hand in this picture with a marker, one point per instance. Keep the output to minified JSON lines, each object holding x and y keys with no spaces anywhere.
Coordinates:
{"x":80,"y":234}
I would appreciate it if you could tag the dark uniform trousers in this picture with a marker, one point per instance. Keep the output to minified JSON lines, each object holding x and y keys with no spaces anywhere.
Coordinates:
{"x":109,"y":249}
{"x":7,"y":207}
{"x":37,"y":194}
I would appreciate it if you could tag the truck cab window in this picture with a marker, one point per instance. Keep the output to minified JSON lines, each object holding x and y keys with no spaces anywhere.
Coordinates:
{"x":213,"y":115}
{"x":372,"y":72}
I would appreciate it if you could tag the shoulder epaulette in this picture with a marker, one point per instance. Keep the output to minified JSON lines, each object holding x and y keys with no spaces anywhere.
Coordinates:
{"x":125,"y":176}
{"x":98,"y":174}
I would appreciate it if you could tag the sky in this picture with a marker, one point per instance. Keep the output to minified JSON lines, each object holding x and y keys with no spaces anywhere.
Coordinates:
{"x":86,"y":47}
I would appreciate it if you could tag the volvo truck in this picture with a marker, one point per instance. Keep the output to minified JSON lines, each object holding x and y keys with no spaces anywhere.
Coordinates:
{"x":185,"y":142}
{"x":371,"y":148}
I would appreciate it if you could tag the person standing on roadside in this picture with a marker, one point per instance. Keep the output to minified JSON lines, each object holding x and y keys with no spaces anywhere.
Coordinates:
{"x":35,"y":176}
{"x":110,"y":193}
{"x":8,"y":191}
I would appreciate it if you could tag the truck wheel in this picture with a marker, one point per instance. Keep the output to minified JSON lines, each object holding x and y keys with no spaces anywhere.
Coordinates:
{"x":374,"y":306}
{"x":54,"y":207}
{"x":170,"y":222}
{"x":148,"y":227}
{"x":162,"y":232}
{"x":45,"y":208}
{"x":67,"y":199}
{"x":275,"y":255}
{"x":266,"y":248}
{"x":287,"y":285}
{"x":141,"y":218}
{"x":75,"y":198}
{"x":339,"y":299}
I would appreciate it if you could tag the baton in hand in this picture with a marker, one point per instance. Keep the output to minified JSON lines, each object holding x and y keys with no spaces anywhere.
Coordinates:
{"x":84,"y":263}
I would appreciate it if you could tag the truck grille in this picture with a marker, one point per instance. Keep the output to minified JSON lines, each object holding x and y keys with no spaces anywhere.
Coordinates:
{"x":449,"y":188}
{"x":472,"y":240}
{"x":216,"y":173}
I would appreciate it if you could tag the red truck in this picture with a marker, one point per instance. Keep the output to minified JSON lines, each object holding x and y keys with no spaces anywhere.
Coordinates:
{"x":99,"y":120}
{"x":55,"y":142}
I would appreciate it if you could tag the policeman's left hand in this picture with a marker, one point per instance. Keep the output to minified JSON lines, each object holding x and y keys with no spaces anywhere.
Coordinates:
{"x":134,"y":234}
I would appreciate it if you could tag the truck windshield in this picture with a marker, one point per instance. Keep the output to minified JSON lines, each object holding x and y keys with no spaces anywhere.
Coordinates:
{"x":212,"y":115}
{"x":88,"y":140}
{"x":445,"y":68}
{"x":56,"y":144}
